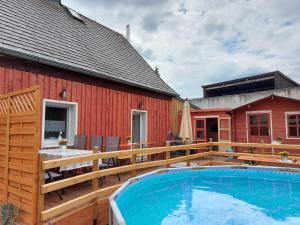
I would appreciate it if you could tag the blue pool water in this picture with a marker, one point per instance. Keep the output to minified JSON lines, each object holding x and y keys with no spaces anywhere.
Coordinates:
{"x":213,"y":197}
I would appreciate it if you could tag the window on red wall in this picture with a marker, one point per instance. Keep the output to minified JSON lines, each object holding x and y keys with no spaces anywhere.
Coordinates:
{"x":259,"y":125}
{"x":293,"y":122}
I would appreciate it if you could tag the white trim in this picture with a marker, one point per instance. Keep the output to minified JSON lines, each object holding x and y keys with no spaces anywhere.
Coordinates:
{"x":146,"y":124}
{"x":204,"y":117}
{"x":286,"y":124}
{"x":259,"y":112}
{"x":59,"y":104}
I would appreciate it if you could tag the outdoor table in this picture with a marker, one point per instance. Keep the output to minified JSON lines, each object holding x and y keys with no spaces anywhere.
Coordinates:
{"x":50,"y":154}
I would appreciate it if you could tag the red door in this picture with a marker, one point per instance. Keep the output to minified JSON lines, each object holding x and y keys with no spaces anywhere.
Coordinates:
{"x":200,"y":130}
{"x":259,"y":127}
{"x":224,"y":133}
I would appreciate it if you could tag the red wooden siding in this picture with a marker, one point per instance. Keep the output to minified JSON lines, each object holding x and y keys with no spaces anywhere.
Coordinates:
{"x":278,"y":106}
{"x":104,"y":108}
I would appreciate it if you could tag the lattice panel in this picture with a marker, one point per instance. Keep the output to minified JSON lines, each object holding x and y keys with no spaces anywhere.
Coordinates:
{"x":19,"y":143}
{"x":22,"y":103}
{"x":3,"y":106}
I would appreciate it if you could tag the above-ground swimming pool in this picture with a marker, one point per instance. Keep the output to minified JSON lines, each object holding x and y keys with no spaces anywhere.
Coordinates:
{"x":232,"y":195}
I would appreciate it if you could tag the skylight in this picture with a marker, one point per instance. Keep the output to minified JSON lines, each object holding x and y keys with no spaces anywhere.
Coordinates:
{"x":74,"y":14}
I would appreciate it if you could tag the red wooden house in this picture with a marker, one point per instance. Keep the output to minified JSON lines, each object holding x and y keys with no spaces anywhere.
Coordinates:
{"x":255,"y":116}
{"x":93,"y":81}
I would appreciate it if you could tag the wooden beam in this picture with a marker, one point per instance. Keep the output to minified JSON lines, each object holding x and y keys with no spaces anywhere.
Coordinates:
{"x":57,"y":210}
{"x":168,"y":154}
{"x":53,"y":186}
{"x":95,"y":182}
{"x":144,"y":151}
{"x":258,"y":145}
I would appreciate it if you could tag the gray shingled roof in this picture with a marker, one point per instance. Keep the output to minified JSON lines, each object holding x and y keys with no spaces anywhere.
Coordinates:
{"x":44,"y":31}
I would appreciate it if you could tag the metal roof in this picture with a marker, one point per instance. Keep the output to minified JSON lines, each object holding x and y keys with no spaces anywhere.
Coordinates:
{"x":250,"y":79}
{"x":44,"y":31}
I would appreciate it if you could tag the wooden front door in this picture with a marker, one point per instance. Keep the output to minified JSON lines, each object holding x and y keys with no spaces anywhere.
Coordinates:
{"x":224,"y":129}
{"x":224,"y":132}
{"x":200,"y":130}
{"x":259,"y":127}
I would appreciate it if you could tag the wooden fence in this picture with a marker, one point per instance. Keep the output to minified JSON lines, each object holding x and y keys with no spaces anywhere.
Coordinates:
{"x":19,"y":144}
{"x":97,"y":193}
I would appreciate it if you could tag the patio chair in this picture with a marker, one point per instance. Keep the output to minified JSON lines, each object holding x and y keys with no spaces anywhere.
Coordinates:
{"x":80,"y":142}
{"x":52,"y":176}
{"x":97,"y":142}
{"x":112,"y":144}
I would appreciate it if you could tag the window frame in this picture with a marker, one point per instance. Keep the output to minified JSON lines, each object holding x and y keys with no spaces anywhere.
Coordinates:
{"x":200,"y":129}
{"x":259,"y":125}
{"x":72,"y":121}
{"x":287,"y":126}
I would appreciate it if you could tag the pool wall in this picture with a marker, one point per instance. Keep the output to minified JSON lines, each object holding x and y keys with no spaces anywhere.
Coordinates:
{"x":115,"y":216}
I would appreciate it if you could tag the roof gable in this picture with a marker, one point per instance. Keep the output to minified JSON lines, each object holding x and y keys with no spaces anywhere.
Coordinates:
{"x":43,"y":31}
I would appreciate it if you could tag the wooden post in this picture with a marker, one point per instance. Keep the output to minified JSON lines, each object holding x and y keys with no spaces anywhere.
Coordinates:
{"x":133,"y":162}
{"x":210,"y":144}
{"x":95,"y":183}
{"x":7,"y":150}
{"x":41,"y":196}
{"x":188,"y":152}
{"x":168,"y":153}
{"x":39,"y":173}
{"x":262,"y":149}
{"x":211,"y":149}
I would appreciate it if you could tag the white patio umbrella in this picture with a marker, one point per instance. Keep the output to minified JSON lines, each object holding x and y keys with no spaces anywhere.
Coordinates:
{"x":186,"y":132}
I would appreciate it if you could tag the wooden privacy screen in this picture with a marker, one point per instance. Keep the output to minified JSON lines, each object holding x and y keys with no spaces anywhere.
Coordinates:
{"x":19,"y":144}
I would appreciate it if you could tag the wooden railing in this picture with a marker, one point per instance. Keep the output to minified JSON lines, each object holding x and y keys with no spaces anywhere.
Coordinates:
{"x":99,"y":193}
{"x":284,"y":147}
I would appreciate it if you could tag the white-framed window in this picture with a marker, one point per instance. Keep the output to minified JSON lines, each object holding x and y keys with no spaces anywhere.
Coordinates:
{"x":292,"y":125}
{"x":58,"y":116}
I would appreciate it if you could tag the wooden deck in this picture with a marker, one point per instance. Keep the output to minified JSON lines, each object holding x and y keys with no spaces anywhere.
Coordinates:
{"x":52,"y":199}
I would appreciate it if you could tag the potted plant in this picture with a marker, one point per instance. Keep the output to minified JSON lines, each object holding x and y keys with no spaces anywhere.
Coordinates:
{"x":9,"y":212}
{"x":63,"y":144}
{"x":277,"y":140}
{"x":128,"y":138}
{"x":284,"y":155}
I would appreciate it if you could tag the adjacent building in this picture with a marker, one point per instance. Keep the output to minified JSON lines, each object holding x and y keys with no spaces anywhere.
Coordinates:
{"x":258,"y":108}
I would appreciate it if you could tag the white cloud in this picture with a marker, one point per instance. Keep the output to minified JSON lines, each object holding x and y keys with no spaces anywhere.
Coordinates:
{"x":199,"y":42}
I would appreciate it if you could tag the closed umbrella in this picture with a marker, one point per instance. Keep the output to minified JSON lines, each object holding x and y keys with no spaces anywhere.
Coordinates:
{"x":186,"y":132}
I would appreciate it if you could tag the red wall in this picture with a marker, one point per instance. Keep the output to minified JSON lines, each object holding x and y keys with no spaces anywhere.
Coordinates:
{"x":278,"y":106}
{"x":104,"y":108}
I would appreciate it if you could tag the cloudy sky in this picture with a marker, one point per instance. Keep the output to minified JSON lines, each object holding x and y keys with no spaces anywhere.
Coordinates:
{"x":197,"y":42}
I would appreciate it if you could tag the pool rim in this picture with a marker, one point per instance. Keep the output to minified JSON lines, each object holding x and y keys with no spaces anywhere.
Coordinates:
{"x":116,"y":215}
